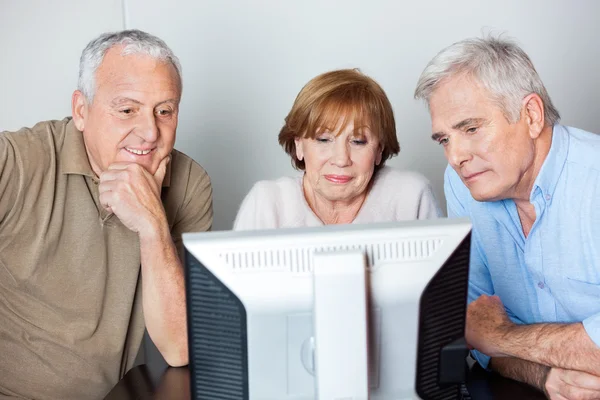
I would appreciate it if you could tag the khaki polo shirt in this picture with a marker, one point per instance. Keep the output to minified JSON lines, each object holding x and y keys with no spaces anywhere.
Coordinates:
{"x":71,"y":319}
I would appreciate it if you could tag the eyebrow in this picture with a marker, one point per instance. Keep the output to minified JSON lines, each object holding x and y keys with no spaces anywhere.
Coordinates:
{"x":437,"y":136}
{"x":460,"y":125}
{"x":121,"y":100}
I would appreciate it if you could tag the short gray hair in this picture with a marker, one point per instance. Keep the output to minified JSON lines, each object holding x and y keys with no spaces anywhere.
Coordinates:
{"x":500,"y":65}
{"x":134,"y":42}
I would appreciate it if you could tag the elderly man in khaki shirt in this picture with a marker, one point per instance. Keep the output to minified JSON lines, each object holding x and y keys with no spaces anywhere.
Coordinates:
{"x":92,"y":209}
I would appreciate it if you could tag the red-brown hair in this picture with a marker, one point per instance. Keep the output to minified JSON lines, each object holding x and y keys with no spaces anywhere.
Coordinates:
{"x":345,"y":95}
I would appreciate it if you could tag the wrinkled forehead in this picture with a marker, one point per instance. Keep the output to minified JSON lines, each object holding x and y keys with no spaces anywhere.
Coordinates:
{"x":137,"y":72}
{"x":456,"y":99}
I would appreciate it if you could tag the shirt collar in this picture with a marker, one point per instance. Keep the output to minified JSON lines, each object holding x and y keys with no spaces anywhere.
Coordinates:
{"x":74,"y":159}
{"x":554,"y":163}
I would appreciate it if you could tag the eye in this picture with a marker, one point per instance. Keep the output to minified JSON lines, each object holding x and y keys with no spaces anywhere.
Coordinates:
{"x":472,"y":130}
{"x":443,"y":141}
{"x":164,"y":112}
{"x":126,"y":111}
{"x":360,"y":142}
{"x":323,"y":139}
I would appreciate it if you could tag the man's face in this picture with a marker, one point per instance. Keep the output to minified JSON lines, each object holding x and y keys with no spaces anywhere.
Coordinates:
{"x":492,"y":156}
{"x":133,"y":116}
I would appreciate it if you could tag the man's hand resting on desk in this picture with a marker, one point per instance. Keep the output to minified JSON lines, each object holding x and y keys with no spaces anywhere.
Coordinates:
{"x":564,"y":384}
{"x":567,"y":346}
{"x":490,"y":331}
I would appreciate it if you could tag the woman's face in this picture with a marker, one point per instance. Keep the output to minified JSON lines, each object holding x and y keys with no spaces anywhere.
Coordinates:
{"x":339,"y":167}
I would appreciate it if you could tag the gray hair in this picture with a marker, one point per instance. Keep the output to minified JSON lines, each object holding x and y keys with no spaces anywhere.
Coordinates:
{"x":133,"y":42}
{"x":500,"y":65}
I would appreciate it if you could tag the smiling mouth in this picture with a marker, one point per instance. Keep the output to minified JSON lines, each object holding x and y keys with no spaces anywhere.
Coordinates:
{"x":138,"y":152}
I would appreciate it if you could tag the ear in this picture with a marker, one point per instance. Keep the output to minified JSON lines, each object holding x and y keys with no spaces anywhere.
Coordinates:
{"x":533,"y":108}
{"x":379,"y":155}
{"x":299,"y":149}
{"x":79,"y":109}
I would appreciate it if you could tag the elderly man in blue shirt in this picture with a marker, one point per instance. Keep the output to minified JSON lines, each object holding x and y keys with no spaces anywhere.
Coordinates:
{"x":532,"y":190}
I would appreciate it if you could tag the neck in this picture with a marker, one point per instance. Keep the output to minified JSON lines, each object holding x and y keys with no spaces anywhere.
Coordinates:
{"x":541,"y":149}
{"x":525,"y":209}
{"x":332,"y":212}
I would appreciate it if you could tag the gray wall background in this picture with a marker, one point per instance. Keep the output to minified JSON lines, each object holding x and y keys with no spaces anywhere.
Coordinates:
{"x":245,"y":61}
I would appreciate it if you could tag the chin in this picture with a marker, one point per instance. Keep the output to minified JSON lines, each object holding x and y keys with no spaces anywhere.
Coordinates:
{"x":341,"y":197}
{"x":486,"y":195}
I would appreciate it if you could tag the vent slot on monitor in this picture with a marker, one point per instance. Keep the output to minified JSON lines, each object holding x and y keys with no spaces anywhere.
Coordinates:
{"x":218,"y":347}
{"x":299,"y":259}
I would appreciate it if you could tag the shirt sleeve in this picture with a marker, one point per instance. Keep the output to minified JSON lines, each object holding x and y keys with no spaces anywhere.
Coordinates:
{"x":9,"y":177}
{"x":592,"y":328}
{"x":196,"y":212}
{"x":480,"y":280}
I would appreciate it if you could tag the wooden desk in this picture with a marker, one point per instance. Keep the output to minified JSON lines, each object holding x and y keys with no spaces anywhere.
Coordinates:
{"x":174,"y":384}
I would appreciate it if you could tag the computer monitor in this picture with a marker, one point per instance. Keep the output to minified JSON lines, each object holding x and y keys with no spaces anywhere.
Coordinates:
{"x":250,"y":308}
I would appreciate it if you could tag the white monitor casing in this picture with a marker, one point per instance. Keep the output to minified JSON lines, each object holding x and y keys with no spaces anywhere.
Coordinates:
{"x":270,"y":274}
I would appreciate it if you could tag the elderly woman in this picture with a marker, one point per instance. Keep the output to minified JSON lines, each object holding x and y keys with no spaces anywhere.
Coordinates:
{"x":340,"y":132}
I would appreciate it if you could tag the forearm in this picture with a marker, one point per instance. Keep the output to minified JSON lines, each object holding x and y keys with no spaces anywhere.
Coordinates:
{"x":524,"y":371}
{"x":164,"y":295}
{"x":565,"y":346}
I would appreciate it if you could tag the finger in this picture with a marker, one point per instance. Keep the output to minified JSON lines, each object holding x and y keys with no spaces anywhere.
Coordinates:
{"x":159,"y":175}
{"x":582,"y":380}
{"x":112,"y":175}
{"x":557,"y":396}
{"x":577,"y":393}
{"x":107,"y":200}
{"x":120,"y":165}
{"x":108,"y":186}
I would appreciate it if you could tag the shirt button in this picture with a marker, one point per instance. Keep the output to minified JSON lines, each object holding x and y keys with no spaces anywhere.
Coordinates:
{"x":541,"y":285}
{"x":548,"y":197}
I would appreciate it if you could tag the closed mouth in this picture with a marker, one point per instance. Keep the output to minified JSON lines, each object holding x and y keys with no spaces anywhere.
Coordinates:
{"x":471,"y":176}
{"x":338,"y":178}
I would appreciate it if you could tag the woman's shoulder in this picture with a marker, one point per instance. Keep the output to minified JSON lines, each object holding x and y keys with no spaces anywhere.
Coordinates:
{"x":276,"y":187}
{"x":404,"y":194}
{"x":268,"y":204}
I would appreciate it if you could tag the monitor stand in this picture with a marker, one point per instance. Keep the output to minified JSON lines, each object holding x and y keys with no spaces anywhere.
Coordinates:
{"x":340,"y":325}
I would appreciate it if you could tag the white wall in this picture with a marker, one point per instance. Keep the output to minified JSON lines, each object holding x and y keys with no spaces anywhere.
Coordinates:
{"x":40,"y":43}
{"x":245,"y":61}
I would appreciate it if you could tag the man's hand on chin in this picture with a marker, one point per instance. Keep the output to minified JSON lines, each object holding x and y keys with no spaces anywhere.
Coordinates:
{"x":487,"y":325}
{"x":133,"y":195}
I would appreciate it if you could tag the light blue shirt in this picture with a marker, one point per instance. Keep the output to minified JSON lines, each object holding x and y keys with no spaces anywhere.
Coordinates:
{"x":553,"y":274}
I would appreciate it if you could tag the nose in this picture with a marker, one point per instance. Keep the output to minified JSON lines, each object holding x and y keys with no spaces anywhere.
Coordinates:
{"x":341,"y":154}
{"x":458,"y":153}
{"x":148,"y":128}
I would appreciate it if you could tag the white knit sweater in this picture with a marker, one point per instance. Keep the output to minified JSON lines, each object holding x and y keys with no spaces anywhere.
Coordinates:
{"x":395,"y":196}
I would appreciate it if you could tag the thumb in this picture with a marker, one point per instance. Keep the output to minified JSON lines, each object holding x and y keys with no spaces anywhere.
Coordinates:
{"x":159,"y":175}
